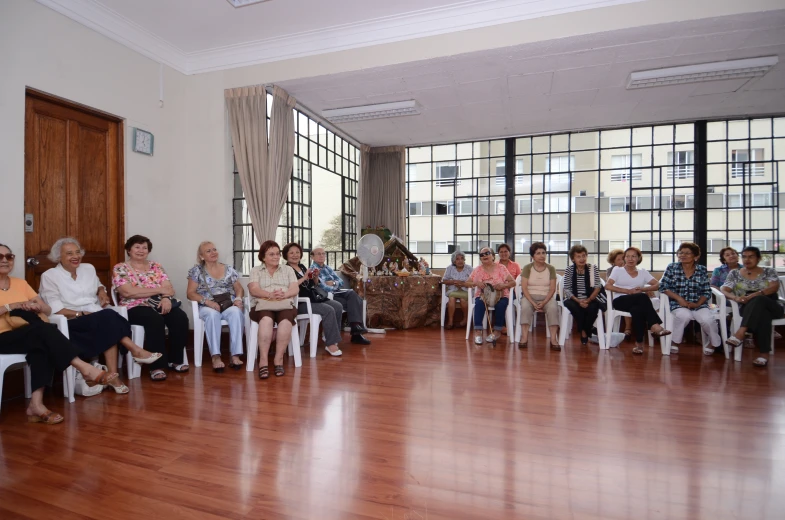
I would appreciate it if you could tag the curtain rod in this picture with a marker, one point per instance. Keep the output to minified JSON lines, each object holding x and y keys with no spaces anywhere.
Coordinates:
{"x":319,"y":119}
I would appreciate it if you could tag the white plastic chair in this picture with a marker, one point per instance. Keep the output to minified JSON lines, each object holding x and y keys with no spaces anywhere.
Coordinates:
{"x":252,"y":340}
{"x":566,"y":319}
{"x":533,"y":324}
{"x":9,"y":360}
{"x":309,"y":318}
{"x":199,"y":334}
{"x":508,"y":317}
{"x":736,"y":323}
{"x":614,"y":316}
{"x":718,"y":314}
{"x":445,"y":301}
{"x":137,"y":336}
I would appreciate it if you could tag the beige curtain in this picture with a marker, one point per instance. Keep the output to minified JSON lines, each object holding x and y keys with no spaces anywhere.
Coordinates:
{"x":383,"y":189}
{"x":264,"y":171}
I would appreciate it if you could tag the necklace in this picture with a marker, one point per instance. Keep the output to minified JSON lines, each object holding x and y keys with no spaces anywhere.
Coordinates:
{"x":9,"y":285}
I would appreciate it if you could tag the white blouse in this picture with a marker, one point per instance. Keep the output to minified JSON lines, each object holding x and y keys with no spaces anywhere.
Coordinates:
{"x":621,"y":278}
{"x":60,"y":291}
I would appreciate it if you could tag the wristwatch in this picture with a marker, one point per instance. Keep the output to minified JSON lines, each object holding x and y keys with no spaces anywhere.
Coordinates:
{"x":203,"y":300}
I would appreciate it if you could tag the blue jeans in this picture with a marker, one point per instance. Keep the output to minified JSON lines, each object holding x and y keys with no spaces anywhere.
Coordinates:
{"x":499,"y":312}
{"x":212,"y":328}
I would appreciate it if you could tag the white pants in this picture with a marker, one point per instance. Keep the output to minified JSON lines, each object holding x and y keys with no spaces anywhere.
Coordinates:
{"x":681,"y":317}
{"x":212,"y":327}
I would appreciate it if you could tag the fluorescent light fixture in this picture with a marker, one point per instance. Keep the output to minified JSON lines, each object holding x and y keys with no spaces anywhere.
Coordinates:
{"x":365,"y":112}
{"x":243,"y":3}
{"x":718,"y":70}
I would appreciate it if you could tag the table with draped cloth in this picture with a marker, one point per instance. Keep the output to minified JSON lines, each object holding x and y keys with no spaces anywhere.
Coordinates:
{"x":403,"y":302}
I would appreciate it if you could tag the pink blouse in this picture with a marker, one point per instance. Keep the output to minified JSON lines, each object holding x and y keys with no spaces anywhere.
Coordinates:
{"x":154,"y":277}
{"x":514,"y":268}
{"x":499,"y":275}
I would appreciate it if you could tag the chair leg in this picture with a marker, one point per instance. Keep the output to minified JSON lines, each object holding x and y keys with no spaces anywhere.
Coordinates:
{"x":252,"y":340}
{"x":69,"y":384}
{"x":294,"y":348}
{"x":315,"y":322}
{"x":601,"y":339}
{"x":198,"y":340}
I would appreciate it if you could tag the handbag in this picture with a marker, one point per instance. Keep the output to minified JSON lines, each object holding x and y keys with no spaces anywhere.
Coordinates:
{"x":80,"y":385}
{"x":223,"y":300}
{"x":18,"y":318}
{"x":274,"y":305}
{"x":155,"y":302}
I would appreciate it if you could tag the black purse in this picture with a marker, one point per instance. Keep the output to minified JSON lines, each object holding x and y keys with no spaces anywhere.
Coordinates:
{"x":223,"y":300}
{"x":155,"y":302}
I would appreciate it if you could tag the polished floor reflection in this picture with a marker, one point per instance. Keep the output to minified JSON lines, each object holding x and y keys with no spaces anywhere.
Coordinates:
{"x":421,"y":425}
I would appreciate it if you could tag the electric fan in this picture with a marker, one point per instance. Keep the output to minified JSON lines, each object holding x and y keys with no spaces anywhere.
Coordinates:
{"x":370,"y":251}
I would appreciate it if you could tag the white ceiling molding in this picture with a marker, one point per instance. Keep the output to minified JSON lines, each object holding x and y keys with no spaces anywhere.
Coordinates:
{"x":118,"y":28}
{"x":469,"y":14}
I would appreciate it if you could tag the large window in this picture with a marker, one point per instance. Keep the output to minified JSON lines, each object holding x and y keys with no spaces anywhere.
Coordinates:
{"x":605,"y":189}
{"x":322,"y":205}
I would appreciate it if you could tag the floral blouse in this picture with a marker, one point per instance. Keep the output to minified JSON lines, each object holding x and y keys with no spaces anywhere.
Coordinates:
{"x":199,"y":275}
{"x":719,"y":275}
{"x":742,"y":286}
{"x":499,"y":275}
{"x":154,"y":277}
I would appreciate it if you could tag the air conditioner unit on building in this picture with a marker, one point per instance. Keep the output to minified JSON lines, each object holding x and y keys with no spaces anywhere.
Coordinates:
{"x":582,"y":193}
{"x":710,"y":189}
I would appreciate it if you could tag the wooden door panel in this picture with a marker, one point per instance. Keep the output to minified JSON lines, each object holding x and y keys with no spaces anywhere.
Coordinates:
{"x":73,"y":183}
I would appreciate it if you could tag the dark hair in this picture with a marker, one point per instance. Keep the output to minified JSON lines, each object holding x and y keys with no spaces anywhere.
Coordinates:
{"x":267,"y":244}
{"x":505,"y":246}
{"x":536,"y":246}
{"x":5,"y":246}
{"x":725,"y":250}
{"x":752,"y":249}
{"x":138,"y":239}
{"x":577,"y":248}
{"x":289,"y":246}
{"x":692,"y":246}
{"x":637,"y":252}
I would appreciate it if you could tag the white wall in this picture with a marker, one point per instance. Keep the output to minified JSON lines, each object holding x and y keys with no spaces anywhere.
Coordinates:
{"x":164,"y":198}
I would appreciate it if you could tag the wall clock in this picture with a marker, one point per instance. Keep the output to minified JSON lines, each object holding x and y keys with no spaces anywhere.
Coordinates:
{"x":142,"y":142}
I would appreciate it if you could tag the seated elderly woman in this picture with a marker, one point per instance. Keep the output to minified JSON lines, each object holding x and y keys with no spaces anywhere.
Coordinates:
{"x":581,"y":288}
{"x":513,"y":267}
{"x":331,"y":311}
{"x":755,"y":289}
{"x":631,"y":286}
{"x":215,"y":287}
{"x":72,"y":289}
{"x":538,"y":286}
{"x":729,"y":258}
{"x":273,"y":289}
{"x":616,"y":259}
{"x":687,"y":285}
{"x":455,"y":279}
{"x":493,"y":275}
{"x":146,"y":291}
{"x":48,"y":352}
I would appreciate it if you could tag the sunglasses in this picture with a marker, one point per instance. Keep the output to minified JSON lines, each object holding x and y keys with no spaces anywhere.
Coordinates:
{"x":9,"y":256}
{"x":487,"y":253}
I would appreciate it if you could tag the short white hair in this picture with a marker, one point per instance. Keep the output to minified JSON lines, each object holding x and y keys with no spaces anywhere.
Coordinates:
{"x":56,"y":251}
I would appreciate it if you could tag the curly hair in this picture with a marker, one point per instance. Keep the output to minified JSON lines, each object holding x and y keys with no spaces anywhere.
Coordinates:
{"x":138,"y":239}
{"x":536,"y":246}
{"x":637,"y":252}
{"x":54,"y":253}
{"x":725,"y":250}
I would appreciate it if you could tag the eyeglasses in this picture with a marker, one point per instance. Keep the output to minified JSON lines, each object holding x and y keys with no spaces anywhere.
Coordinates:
{"x":684,"y":253}
{"x":487,"y":253}
{"x":9,"y":256}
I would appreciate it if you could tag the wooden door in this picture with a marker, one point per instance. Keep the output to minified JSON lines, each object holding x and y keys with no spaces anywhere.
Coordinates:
{"x":73,"y":183}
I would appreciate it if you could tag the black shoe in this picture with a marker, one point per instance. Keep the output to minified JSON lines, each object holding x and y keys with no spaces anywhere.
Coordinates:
{"x":584,"y":341}
{"x":360,"y":339}
{"x":358,"y":329}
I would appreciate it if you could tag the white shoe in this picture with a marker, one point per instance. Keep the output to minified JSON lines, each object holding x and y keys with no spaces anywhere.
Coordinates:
{"x":478,"y":340}
{"x":491,"y":338}
{"x":708,"y":351}
{"x":675,"y":350}
{"x":336,"y":353}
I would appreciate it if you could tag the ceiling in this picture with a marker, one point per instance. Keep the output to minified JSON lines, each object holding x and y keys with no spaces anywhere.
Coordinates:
{"x":194,"y":36}
{"x":565,"y":84}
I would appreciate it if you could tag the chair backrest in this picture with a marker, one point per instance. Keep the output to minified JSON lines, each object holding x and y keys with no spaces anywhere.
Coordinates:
{"x":114,"y":296}
{"x":560,"y":286}
{"x":781,"y":289}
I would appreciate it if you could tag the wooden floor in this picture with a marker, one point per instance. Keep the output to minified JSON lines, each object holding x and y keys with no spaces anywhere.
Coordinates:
{"x":420,"y":425}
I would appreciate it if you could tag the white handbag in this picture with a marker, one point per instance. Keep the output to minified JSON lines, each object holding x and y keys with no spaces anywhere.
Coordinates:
{"x":80,"y":385}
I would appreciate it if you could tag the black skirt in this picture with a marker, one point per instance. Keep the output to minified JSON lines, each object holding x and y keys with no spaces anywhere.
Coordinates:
{"x":96,"y":332}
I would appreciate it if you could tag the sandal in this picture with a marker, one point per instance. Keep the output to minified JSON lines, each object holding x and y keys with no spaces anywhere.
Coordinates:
{"x":103,"y":379}
{"x":627,"y":334}
{"x":637,"y":350}
{"x":523,"y":345}
{"x":179,"y":368}
{"x":555,"y":346}
{"x":450,"y":326}
{"x":48,"y":417}
{"x":760,"y":362}
{"x":158,"y":375}
{"x":708,"y":351}
{"x":235,"y":366}
{"x":661,"y":333}
{"x":733,"y":341}
{"x":154,"y":356}
{"x":264,"y":372}
{"x":120,"y":388}
{"x":279,"y":370}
